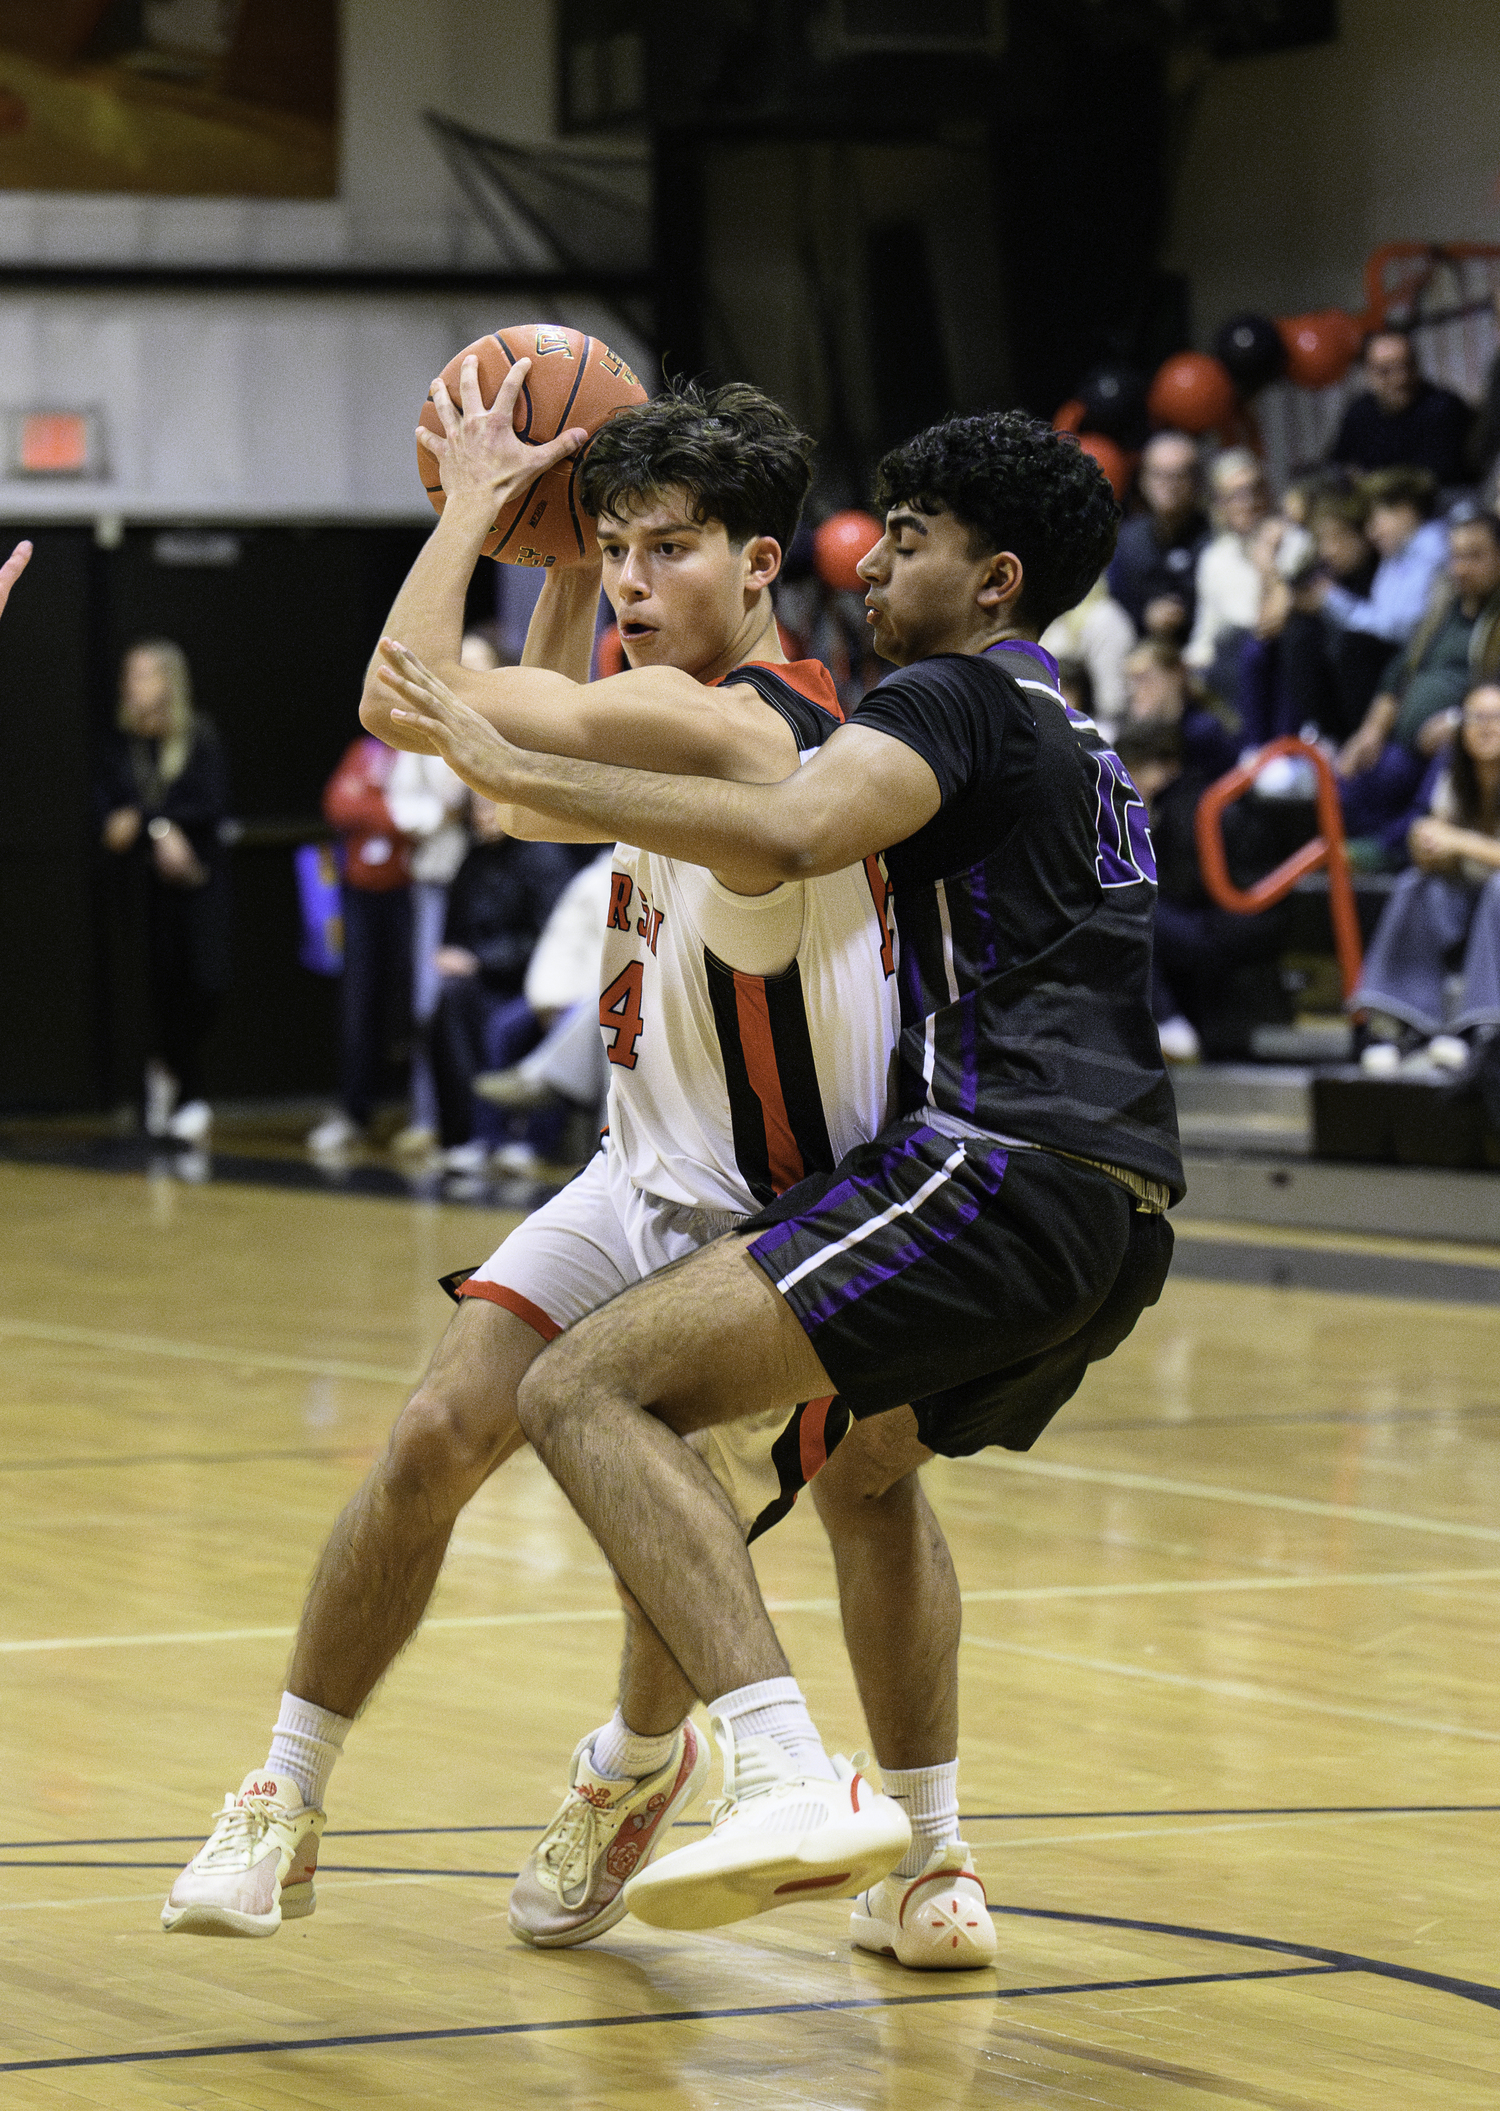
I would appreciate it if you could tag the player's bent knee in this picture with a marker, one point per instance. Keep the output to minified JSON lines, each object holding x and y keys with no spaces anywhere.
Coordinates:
{"x":443,"y":1448}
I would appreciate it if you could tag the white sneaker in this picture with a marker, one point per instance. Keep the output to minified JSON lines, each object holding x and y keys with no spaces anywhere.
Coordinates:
{"x":1179,"y":1040}
{"x":1380,"y":1059}
{"x":466,"y":1157}
{"x":335,"y":1133}
{"x":1448,"y":1052}
{"x":191,"y":1124}
{"x":936,"y":1922}
{"x":256,"y":1868}
{"x":518,"y":1161}
{"x":779,"y":1838}
{"x":572,"y":1884}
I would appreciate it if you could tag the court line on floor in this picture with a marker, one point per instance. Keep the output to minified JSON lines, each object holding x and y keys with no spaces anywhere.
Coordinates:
{"x":1209,"y":1492}
{"x":968,"y":1817}
{"x":1232,"y":1689}
{"x":201,"y":1352}
{"x":1347,"y":1960}
{"x":595,"y":1615}
{"x":684,"y":2015}
{"x":109,"y":1460}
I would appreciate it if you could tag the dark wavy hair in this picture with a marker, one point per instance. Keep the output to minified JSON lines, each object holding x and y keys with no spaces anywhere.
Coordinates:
{"x":1468,"y":793}
{"x":1016,"y":485}
{"x":738,"y":456}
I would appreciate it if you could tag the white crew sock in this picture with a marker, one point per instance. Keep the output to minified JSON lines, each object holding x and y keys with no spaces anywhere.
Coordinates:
{"x":775,"y":1708}
{"x":929,"y":1797}
{"x":307,"y":1741}
{"x":622,"y":1754}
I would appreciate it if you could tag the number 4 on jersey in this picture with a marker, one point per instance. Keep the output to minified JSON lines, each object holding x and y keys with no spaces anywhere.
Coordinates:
{"x":620,"y":1014}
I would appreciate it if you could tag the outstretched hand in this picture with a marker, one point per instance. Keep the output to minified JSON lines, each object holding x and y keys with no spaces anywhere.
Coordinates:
{"x":479,"y":450}
{"x":464,"y":737}
{"x":12,"y":569}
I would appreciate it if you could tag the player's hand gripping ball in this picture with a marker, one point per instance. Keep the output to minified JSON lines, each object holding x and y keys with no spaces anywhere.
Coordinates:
{"x":574,"y":380}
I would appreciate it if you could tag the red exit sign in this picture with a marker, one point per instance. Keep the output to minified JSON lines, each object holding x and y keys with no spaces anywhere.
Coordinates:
{"x":55,"y":443}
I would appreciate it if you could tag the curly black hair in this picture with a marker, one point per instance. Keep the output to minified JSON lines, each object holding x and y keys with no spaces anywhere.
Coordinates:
{"x":738,"y":456}
{"x":1016,"y":485}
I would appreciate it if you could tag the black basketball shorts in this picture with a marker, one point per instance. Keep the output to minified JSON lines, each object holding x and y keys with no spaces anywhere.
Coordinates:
{"x":976,"y":1280}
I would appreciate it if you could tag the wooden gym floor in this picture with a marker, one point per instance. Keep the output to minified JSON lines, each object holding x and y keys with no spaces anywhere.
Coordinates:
{"x":1230,"y":1721}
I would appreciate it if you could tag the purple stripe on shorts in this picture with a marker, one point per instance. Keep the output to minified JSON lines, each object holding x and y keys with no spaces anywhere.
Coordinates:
{"x":816,"y":1303}
{"x":837,"y":1198}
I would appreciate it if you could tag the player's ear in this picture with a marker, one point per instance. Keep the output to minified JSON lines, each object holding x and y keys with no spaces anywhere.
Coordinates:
{"x":762,"y":561}
{"x":1001,"y":584}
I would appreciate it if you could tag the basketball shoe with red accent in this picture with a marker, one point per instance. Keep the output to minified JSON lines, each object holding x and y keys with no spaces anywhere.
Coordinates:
{"x":937,"y":1921}
{"x":256,"y":1868}
{"x":779,"y":1838}
{"x":572,"y":1885}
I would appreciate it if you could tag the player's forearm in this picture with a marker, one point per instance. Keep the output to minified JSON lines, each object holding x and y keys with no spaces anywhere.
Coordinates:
{"x":761,"y":833}
{"x":560,"y":635}
{"x":428,"y":613}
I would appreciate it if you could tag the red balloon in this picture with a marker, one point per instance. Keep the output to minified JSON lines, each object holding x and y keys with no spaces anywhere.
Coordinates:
{"x":1192,"y":393}
{"x":1112,"y":460}
{"x":1321,"y":348}
{"x":839,"y":544}
{"x":1069,"y":416}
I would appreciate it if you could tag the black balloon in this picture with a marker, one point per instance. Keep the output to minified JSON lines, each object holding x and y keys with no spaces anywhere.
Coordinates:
{"x":1114,"y":403}
{"x":1250,"y":347}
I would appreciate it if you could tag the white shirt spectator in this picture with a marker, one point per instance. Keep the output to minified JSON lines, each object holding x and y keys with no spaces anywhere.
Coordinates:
{"x":426,"y":801}
{"x":564,"y":965}
{"x":1100,"y":633}
{"x":1228,"y":595}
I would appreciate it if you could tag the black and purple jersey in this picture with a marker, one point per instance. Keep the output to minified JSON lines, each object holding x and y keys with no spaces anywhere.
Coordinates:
{"x":1024,"y":908}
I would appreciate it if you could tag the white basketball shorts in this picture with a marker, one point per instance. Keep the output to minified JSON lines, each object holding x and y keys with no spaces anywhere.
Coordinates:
{"x":600,"y":1236}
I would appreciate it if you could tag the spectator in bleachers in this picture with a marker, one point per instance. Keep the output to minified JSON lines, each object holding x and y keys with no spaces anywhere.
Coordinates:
{"x":1401,"y":419}
{"x":1446,"y":909}
{"x":1197,"y":946}
{"x":1229,"y":579}
{"x":1152,"y":572}
{"x":1160,"y":691}
{"x":375,"y":986}
{"x":1412,"y":548}
{"x":1302,"y":673}
{"x":1096,"y":635}
{"x":164,"y":794}
{"x":430,"y":806}
{"x":501,"y":897}
{"x":567,"y":1070}
{"x":1418,"y":707}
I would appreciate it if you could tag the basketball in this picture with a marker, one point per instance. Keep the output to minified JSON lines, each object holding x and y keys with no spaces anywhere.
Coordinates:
{"x":574,"y":380}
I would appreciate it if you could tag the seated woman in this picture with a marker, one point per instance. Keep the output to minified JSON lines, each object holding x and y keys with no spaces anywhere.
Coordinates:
{"x":1443,"y":912}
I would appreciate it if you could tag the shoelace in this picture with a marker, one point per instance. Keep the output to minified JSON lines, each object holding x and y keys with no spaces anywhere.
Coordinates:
{"x":238,"y":1830}
{"x":571,"y":1842}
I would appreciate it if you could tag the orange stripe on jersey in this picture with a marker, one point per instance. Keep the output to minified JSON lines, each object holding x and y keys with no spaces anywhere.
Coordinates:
{"x":810,"y":678}
{"x":812,"y":1436}
{"x":512,"y":1301}
{"x":783,"y":1157}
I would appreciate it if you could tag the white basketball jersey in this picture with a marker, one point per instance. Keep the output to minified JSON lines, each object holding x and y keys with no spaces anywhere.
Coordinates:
{"x":749,"y":1038}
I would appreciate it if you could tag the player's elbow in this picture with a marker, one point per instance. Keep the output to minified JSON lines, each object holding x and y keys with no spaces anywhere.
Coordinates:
{"x":375,"y":714}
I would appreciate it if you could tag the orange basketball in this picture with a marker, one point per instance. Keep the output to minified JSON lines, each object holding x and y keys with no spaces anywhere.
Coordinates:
{"x":574,"y":380}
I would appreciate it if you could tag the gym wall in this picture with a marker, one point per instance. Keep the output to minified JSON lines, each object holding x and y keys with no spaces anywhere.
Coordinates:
{"x":1298,"y":165}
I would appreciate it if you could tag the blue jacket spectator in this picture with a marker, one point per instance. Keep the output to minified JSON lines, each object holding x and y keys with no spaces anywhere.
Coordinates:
{"x":1413,"y":550}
